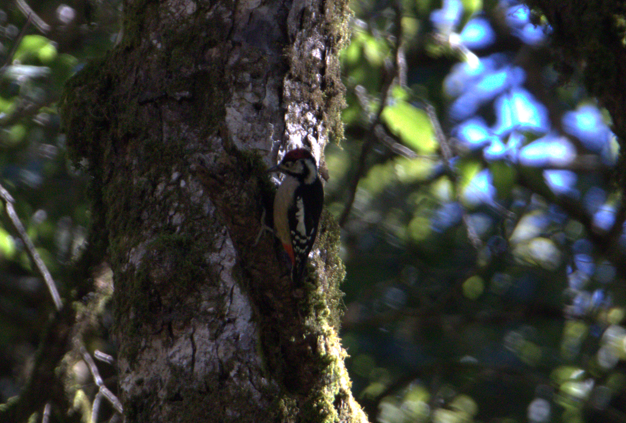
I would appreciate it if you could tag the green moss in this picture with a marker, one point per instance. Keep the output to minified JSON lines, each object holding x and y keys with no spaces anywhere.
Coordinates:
{"x":103,"y":115}
{"x":178,"y":273}
{"x":319,"y":410}
{"x":338,"y":15}
{"x":321,"y":310}
{"x":81,"y":96}
{"x":328,"y":100}
{"x":115,"y":106}
{"x":186,"y":261}
{"x":152,"y":292}
{"x":331,"y":302}
{"x":133,"y":26}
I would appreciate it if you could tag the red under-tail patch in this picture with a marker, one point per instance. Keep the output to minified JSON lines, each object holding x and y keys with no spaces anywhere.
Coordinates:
{"x":289,"y":250}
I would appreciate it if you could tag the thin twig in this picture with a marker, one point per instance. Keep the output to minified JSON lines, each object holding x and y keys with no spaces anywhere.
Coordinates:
{"x":44,"y":383}
{"x":446,"y":151}
{"x":604,"y":241}
{"x":16,"y":44}
{"x":371,"y":136}
{"x":397,"y":148}
{"x":46,"y":413}
{"x":95,"y":408}
{"x":382,"y":135}
{"x":25,"y":110}
{"x":30,"y":14}
{"x":30,"y":247}
{"x":115,"y":402}
{"x":103,"y":357}
{"x":103,"y":390}
{"x":92,"y":365}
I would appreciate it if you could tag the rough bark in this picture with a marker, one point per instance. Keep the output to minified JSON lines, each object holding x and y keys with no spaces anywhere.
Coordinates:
{"x":176,"y":125}
{"x":588,"y":38}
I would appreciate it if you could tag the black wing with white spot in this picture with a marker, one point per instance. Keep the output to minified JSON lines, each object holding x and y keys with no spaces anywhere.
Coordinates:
{"x":304,"y":216}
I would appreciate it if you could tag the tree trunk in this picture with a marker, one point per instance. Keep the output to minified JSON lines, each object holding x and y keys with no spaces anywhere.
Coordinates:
{"x":588,"y":38}
{"x":177,"y":125}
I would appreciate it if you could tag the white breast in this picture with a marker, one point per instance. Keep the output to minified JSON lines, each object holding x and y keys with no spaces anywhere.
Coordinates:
{"x":281,"y":205}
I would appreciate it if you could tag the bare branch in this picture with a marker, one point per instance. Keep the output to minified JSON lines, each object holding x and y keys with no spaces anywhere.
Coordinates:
{"x":16,"y":44}
{"x":24,"y":110}
{"x":103,"y":357}
{"x":30,"y":247}
{"x":605,"y":241}
{"x":371,"y":135}
{"x":104,"y":391}
{"x":44,"y":384}
{"x":30,"y":14}
{"x":115,"y":402}
{"x":446,"y":151}
{"x":95,"y":408}
{"x":46,"y":413}
{"x":92,"y":366}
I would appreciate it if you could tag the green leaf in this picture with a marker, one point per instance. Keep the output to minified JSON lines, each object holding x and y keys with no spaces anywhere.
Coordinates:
{"x":535,"y":180}
{"x":409,"y":171}
{"x":465,"y":403}
{"x":473,"y":287}
{"x":411,"y":125}
{"x":527,"y":228}
{"x":530,"y":353}
{"x":419,"y":228}
{"x":13,"y":136}
{"x":410,"y":27}
{"x":352,"y":54}
{"x":542,"y":252}
{"x":399,"y":94}
{"x":472,"y":6}
{"x":47,"y":53}
{"x":378,"y":178}
{"x":31,"y":45}
{"x":7,"y":245}
{"x":562,"y":374}
{"x":373,"y":390}
{"x":468,"y":168}
{"x":504,"y":178}
{"x":6,"y":106}
{"x":363,"y":364}
{"x":375,"y":50}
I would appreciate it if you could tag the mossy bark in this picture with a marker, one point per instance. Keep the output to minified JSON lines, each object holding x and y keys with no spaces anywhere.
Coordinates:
{"x":176,"y":125}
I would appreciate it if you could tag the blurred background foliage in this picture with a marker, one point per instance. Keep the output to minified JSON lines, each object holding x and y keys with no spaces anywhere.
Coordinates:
{"x":37,"y":56}
{"x":482,"y":231}
{"x":484,"y":241}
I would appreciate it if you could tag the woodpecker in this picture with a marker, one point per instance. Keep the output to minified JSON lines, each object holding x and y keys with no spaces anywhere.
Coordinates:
{"x":297,"y":207}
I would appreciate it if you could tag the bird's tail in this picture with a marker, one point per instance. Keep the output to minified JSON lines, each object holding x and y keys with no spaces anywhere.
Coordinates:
{"x":297,"y":271}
